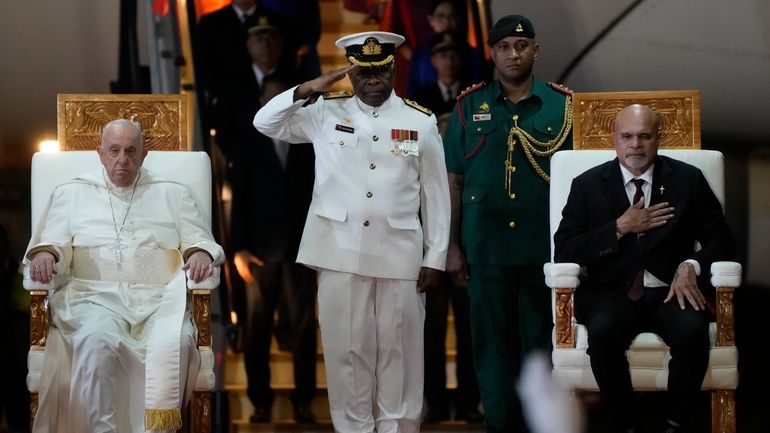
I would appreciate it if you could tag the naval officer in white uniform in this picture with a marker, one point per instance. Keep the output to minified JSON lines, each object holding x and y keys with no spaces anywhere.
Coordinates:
{"x":377,"y":230}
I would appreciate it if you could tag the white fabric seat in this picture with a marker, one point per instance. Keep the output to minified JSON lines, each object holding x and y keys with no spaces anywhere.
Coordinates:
{"x":51,"y":169}
{"x":648,"y":356}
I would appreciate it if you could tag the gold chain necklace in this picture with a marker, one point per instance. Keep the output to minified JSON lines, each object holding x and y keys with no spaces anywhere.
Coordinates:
{"x":116,"y":246}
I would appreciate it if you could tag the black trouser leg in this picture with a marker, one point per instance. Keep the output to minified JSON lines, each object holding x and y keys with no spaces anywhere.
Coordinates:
{"x":436,"y":311}
{"x":262,"y":299}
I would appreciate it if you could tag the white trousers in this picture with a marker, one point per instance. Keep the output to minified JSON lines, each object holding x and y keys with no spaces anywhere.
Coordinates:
{"x":103,"y":389}
{"x":372,"y":334}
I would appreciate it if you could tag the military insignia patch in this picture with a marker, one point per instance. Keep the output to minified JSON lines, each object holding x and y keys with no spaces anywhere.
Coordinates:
{"x":404,"y":142}
{"x":484,"y":107}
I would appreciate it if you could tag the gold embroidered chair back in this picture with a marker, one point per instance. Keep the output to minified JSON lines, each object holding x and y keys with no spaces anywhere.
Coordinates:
{"x":678,"y":110}
{"x":164,"y":119}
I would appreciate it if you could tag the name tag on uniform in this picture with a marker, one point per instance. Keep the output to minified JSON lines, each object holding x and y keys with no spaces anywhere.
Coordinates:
{"x":480,"y":117}
{"x":343,"y":128}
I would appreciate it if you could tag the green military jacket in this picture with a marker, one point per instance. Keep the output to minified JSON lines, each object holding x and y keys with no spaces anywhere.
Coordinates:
{"x":503,"y":151}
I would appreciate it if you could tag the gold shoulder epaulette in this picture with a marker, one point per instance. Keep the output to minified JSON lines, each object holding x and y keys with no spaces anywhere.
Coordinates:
{"x":336,"y":95}
{"x":417,"y":106}
{"x":470,"y":90}
{"x":561,"y":88}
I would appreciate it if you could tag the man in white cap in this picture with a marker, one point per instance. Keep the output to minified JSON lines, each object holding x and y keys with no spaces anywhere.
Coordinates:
{"x":377,"y":230}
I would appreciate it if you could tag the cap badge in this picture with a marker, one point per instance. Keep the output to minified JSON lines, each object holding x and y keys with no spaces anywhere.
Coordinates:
{"x":371,"y":47}
{"x":263,"y":21}
{"x":519,"y":28}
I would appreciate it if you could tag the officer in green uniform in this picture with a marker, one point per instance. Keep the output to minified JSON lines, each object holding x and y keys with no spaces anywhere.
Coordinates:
{"x":498,"y":144}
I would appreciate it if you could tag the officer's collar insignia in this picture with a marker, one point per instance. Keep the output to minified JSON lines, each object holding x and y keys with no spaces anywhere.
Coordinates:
{"x":484,"y":107}
{"x":519,"y":28}
{"x":371,"y":47}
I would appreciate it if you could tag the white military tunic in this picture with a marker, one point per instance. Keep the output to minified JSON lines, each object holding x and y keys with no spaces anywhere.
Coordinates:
{"x":380,"y":212}
{"x":106,"y":310}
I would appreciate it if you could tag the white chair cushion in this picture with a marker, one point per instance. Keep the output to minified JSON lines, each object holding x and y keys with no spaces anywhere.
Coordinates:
{"x":648,"y":359}
{"x":206,"y":379}
{"x":35,"y":358}
{"x":726,"y":274}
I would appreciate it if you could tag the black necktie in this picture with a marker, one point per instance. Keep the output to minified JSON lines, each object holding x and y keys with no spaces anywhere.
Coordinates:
{"x":637,"y":287}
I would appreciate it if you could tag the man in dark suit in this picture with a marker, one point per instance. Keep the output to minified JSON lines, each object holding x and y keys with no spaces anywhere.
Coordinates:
{"x":272,"y":187}
{"x":439,"y":97}
{"x":633,"y":223}
{"x":223,"y":66}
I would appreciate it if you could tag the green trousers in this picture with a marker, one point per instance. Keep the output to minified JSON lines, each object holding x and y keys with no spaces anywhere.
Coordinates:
{"x":510,"y":308}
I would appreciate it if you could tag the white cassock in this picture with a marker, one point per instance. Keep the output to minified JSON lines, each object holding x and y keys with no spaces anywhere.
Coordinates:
{"x":380,"y":212}
{"x":121,"y":348}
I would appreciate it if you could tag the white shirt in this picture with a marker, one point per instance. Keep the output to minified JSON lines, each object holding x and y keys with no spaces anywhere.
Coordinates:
{"x":243,"y":13}
{"x":649,"y":279}
{"x":448,"y":92}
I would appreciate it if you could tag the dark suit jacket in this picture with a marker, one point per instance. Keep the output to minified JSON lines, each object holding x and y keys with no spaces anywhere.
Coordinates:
{"x":587,"y":233}
{"x":270,"y":204}
{"x":431,"y":98}
{"x":223,"y":68}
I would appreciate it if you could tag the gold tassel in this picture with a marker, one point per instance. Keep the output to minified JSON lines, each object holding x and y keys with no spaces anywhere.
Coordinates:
{"x":162,"y":419}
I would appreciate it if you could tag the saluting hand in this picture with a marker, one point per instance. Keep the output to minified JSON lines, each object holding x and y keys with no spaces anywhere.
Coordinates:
{"x":322,"y":83}
{"x":639,"y":219}
{"x":200,"y":265}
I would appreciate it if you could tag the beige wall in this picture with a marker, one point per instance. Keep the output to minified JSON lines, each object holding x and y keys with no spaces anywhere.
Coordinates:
{"x":50,"y":47}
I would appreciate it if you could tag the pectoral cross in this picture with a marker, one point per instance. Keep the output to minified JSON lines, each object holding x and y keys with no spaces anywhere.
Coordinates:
{"x":117,"y":248}
{"x":662,"y":188}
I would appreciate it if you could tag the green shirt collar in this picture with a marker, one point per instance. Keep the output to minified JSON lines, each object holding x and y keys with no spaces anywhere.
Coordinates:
{"x":537,"y":90}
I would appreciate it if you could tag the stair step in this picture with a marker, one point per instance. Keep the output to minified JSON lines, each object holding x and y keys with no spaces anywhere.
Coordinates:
{"x":282,"y":426}
{"x":282,"y":372}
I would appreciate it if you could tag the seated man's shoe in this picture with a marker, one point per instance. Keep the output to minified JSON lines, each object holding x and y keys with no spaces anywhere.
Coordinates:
{"x":260,"y":415}
{"x":472,"y":416}
{"x":303,"y":414}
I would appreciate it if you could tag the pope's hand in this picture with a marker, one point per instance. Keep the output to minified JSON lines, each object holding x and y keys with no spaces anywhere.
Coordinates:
{"x":41,"y":267}
{"x":243,"y":261}
{"x":200,"y":266}
{"x":322,"y":83}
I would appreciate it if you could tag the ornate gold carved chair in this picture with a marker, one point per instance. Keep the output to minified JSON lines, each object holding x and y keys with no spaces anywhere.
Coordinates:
{"x":648,"y":356}
{"x":164,"y":121}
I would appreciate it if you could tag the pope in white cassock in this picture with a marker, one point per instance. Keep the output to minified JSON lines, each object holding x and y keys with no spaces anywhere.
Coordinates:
{"x":377,"y":231}
{"x":121,"y":354}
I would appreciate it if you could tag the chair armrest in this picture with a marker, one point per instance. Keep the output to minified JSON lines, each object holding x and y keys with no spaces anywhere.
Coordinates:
{"x":725,"y":277}
{"x":726,"y":274}
{"x":563,"y":279}
{"x":209,"y":283}
{"x":561,"y":275}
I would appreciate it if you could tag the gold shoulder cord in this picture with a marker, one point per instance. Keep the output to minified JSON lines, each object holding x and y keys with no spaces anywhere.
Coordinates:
{"x":531,"y":146}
